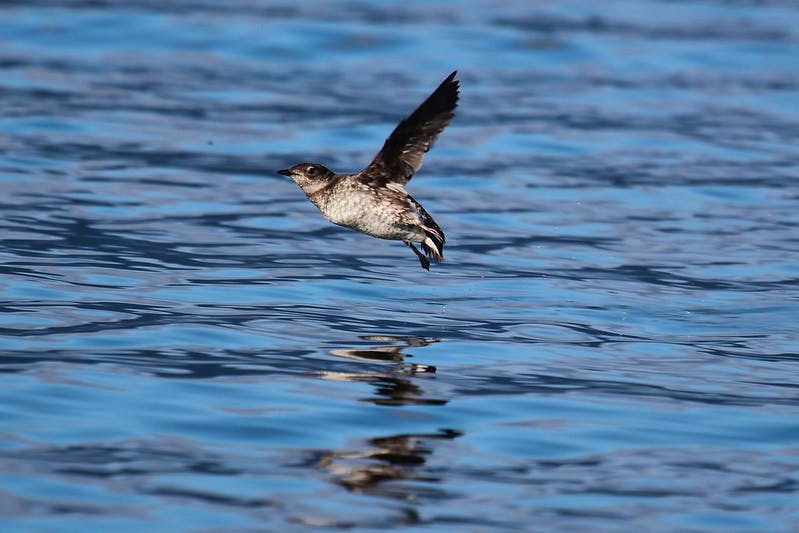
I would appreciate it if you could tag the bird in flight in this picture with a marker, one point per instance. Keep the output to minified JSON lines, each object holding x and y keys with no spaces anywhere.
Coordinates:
{"x":374,"y":201}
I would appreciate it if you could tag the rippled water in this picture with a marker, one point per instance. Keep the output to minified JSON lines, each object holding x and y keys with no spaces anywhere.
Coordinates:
{"x":611,"y":343}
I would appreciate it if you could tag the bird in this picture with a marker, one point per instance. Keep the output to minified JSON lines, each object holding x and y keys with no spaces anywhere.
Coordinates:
{"x":374,"y":200}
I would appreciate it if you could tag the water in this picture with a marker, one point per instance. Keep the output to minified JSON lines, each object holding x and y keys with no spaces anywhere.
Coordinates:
{"x":610,"y":345}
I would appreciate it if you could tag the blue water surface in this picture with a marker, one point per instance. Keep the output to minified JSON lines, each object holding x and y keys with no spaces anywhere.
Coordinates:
{"x":610,"y":345}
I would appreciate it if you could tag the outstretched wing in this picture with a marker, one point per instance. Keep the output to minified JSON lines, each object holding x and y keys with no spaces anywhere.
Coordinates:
{"x":404,"y":149}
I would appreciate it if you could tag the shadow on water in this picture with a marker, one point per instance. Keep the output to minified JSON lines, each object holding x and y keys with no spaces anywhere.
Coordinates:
{"x":390,"y":467}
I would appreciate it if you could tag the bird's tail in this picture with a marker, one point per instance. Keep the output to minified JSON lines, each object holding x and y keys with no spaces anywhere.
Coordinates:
{"x":433,"y":243}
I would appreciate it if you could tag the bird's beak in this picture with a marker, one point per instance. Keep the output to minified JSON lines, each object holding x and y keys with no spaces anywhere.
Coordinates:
{"x":285,"y":172}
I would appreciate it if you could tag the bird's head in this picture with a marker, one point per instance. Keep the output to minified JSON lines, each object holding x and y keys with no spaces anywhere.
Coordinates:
{"x":309,"y":176}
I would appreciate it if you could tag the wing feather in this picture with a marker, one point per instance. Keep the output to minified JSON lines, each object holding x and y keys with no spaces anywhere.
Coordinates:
{"x":402,"y":153}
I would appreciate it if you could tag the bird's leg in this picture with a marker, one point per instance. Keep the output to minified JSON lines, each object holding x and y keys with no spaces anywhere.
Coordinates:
{"x":422,"y":258}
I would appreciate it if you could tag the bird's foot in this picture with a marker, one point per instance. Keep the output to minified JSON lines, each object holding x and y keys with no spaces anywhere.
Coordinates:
{"x":422,"y":259}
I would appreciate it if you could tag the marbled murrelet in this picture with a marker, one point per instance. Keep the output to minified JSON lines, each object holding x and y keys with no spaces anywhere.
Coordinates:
{"x":374,"y":201}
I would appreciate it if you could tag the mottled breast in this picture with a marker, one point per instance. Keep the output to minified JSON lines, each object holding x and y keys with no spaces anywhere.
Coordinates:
{"x":380,"y":212}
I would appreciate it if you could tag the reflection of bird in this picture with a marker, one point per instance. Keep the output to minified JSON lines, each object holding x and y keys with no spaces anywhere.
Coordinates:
{"x":374,"y":201}
{"x":387,"y":353}
{"x":393,"y":386}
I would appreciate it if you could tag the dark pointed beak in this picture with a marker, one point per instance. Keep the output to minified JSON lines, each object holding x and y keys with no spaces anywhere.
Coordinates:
{"x":285,"y":172}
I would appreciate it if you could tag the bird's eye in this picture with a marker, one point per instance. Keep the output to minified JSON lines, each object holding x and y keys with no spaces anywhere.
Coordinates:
{"x":311,"y":171}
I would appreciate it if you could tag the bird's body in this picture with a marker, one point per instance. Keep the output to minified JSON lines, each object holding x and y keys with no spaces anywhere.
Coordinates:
{"x":387,"y":212}
{"x":374,"y":201}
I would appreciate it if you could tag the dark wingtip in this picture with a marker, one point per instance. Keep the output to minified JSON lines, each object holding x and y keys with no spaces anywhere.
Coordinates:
{"x":452,"y":86}
{"x":450,"y":80}
{"x":443,"y":99}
